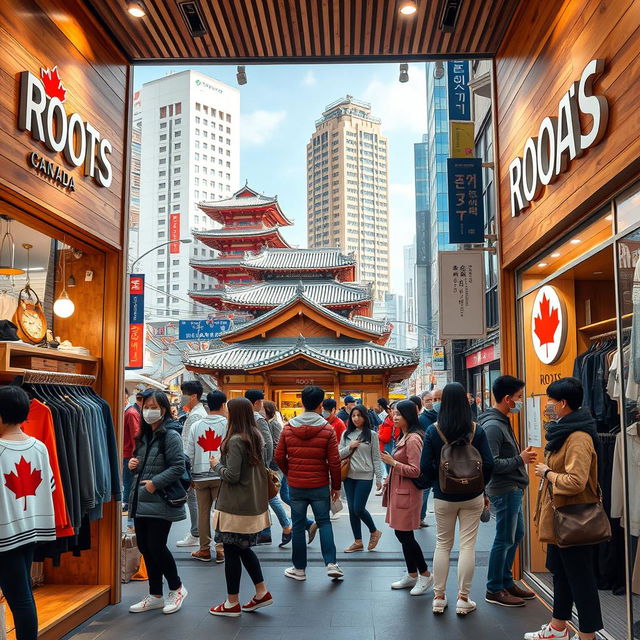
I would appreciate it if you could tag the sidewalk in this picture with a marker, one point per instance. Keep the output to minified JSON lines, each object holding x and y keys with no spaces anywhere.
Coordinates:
{"x":361,"y":607}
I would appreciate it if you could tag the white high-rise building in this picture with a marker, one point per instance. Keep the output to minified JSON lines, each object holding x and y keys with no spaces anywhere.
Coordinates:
{"x":189,"y":152}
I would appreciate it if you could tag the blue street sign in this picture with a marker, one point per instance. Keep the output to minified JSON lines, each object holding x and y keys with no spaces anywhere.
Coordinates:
{"x":458,"y":90}
{"x":202,"y":329}
{"x":466,"y":205}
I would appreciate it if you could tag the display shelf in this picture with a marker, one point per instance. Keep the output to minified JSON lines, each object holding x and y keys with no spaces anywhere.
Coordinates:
{"x":63,"y":607}
{"x":604,"y":325}
{"x":17,"y":358}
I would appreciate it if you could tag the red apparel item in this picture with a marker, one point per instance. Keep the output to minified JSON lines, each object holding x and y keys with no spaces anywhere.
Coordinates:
{"x":308,"y":456}
{"x":385,"y":431}
{"x":131,"y":428}
{"x":39,"y":425}
{"x":338,"y":426}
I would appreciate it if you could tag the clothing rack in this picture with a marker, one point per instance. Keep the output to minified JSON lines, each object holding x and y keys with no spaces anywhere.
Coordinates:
{"x":610,"y":334}
{"x":34,"y":376}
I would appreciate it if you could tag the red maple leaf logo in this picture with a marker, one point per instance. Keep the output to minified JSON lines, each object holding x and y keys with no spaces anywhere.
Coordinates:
{"x":546,"y":323}
{"x":24,"y":481}
{"x":209,"y":441}
{"x":53,"y":86}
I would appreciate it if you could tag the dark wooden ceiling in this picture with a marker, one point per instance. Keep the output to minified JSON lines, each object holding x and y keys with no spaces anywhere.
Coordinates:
{"x":322,"y":29}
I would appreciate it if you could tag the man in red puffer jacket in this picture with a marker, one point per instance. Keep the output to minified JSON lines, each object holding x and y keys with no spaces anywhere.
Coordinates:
{"x":307,"y":454}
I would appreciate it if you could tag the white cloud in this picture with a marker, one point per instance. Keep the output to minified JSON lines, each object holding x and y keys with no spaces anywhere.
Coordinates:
{"x":400,"y":105}
{"x":260,"y":126}
{"x":309,"y":79}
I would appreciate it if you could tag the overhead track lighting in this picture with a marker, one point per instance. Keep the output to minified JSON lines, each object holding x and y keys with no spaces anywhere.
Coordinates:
{"x":241,"y":76}
{"x":449,"y":15}
{"x":438,"y":72}
{"x":408,"y":7}
{"x":193,"y":18}
{"x":136,"y":8}
{"x":404,"y":72}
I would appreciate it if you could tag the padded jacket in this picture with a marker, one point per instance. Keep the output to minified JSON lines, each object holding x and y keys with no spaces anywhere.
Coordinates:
{"x":307,"y":453}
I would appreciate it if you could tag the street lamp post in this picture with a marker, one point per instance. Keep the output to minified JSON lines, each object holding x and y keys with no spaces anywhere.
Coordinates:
{"x":163,"y":244}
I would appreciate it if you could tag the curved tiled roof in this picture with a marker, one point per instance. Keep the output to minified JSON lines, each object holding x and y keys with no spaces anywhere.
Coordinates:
{"x":371,"y":324}
{"x":272,"y":293}
{"x":288,"y":259}
{"x":333,"y":353}
{"x":236,"y":231}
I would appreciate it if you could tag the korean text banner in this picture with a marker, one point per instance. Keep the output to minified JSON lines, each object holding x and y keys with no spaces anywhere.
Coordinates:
{"x":466,"y":206}
{"x":462,"y":295}
{"x":458,"y":90}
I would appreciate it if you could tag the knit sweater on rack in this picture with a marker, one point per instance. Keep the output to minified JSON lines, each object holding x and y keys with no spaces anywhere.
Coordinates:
{"x":26,"y":488}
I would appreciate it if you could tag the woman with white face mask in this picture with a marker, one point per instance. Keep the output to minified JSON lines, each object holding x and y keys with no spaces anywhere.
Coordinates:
{"x":157,"y":462}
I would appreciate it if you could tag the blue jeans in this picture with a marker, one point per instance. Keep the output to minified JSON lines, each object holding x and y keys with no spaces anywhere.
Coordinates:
{"x":357,"y":495}
{"x":509,"y":534}
{"x":281,"y":514}
{"x":286,"y":498}
{"x":320,"y":502}
{"x":425,"y":500}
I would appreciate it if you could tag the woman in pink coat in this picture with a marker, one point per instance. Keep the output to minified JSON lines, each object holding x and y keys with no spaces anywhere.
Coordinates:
{"x":404,"y":500}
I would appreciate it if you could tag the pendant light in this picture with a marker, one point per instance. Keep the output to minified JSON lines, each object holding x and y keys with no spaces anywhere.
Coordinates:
{"x":63,"y":307}
{"x":8,"y":253}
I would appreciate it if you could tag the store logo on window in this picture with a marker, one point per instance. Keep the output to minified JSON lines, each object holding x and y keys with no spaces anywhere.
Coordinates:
{"x":548,"y":325}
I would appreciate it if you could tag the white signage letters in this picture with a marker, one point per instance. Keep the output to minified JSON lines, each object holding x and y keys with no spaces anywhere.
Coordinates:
{"x":559,"y":140}
{"x":47,"y":120}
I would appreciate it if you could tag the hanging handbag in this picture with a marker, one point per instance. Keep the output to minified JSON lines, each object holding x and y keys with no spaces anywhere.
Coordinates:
{"x":345,"y":465}
{"x":273,"y":483}
{"x":578,"y":525}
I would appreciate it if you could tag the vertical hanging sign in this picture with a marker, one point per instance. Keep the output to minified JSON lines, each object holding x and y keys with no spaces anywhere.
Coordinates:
{"x":466,"y":206}
{"x":136,"y":321}
{"x":174,"y":233}
{"x":458,"y":90}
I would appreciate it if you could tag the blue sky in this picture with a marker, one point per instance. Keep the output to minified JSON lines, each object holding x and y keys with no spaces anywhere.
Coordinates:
{"x":279,"y":105}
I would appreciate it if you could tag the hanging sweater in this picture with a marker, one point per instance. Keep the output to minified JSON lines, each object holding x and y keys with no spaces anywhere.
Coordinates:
{"x":26,"y":487}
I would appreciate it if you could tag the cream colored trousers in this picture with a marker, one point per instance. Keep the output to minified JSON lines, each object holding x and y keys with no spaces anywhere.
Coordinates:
{"x":447,"y":515}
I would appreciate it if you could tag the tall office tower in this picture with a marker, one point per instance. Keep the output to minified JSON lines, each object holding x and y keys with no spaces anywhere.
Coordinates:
{"x":392,"y":309}
{"x":410,"y":293}
{"x":348,"y":188}
{"x":190,"y":152}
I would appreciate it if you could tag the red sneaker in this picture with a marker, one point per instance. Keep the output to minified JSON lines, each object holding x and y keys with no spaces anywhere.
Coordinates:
{"x":258,"y":603}
{"x":221,"y":610}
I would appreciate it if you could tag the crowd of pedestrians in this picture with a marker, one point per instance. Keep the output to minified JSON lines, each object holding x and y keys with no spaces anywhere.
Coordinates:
{"x":439,"y":444}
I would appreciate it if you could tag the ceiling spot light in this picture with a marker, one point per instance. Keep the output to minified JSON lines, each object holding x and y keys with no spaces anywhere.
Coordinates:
{"x":136,"y":8}
{"x":438,"y":71}
{"x":241,"y":75}
{"x":598,"y":273}
{"x":408,"y":7}
{"x":542,"y":264}
{"x":576,"y":241}
{"x":555,"y":255}
{"x":404,"y":72}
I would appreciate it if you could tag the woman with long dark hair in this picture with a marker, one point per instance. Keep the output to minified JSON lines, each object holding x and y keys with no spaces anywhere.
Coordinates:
{"x":360,"y":444}
{"x":157,"y":463}
{"x":403,"y":499}
{"x":455,"y":425}
{"x":242,"y":507}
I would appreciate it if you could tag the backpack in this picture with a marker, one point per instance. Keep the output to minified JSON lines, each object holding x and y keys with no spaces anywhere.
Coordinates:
{"x":460,"y":470}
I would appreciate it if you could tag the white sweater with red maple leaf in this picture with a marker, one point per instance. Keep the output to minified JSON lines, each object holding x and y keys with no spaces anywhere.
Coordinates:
{"x":26,"y":488}
{"x":204,"y":440}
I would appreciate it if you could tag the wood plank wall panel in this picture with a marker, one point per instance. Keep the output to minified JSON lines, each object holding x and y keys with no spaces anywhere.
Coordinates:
{"x":544,"y":51}
{"x":290,"y":29}
{"x":37,"y":34}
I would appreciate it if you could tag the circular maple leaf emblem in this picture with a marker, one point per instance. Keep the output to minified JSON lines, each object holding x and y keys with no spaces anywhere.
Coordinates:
{"x":548,"y":325}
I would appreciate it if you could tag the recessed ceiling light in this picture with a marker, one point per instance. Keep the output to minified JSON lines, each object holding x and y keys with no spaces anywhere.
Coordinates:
{"x":576,"y":241}
{"x":609,"y":217}
{"x":136,"y":8}
{"x":408,"y":7}
{"x":598,"y":273}
{"x":542,"y":264}
{"x":555,"y":255}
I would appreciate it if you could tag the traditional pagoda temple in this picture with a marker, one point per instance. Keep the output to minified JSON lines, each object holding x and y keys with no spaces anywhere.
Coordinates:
{"x":311,"y":322}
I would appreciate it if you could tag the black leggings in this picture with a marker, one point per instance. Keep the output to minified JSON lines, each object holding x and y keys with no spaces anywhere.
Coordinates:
{"x":15,"y":582}
{"x":412,"y":552}
{"x":234,"y":558}
{"x":152,"y":535}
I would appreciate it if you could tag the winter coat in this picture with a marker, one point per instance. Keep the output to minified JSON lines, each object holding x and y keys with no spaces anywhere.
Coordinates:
{"x":204,"y":435}
{"x":265,"y":432}
{"x":338,"y":426}
{"x":162,"y":469}
{"x":388,"y":433}
{"x":576,"y":463}
{"x":404,"y":498}
{"x":509,"y":469}
{"x":427,"y":418}
{"x":307,"y":453}
{"x":243,"y":490}
{"x":364,"y":462}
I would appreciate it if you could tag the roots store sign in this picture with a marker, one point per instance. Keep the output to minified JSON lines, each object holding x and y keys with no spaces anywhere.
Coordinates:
{"x":43,"y":114}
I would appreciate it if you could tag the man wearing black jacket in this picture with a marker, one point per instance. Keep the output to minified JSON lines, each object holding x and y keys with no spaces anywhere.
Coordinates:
{"x":505,"y":490}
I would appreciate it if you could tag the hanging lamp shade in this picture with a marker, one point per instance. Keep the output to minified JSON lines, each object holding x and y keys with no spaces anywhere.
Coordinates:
{"x":8,"y":254}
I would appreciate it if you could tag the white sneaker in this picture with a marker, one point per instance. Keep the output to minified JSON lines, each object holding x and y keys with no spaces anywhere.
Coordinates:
{"x":149,"y":603}
{"x":334,"y":516}
{"x":423,"y":584}
{"x":296,"y":574}
{"x":379,"y":492}
{"x":547,"y":632}
{"x":406,"y":582}
{"x":440,"y":604}
{"x":188,"y":541}
{"x":424,"y":523}
{"x":334,"y":571}
{"x":464,"y":607}
{"x":175,"y":600}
